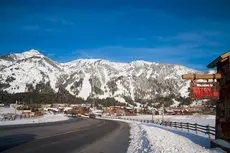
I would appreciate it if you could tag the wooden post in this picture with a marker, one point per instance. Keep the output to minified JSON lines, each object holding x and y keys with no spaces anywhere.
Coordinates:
{"x":201,"y":76}
{"x":196,"y":127}
{"x":187,"y":126}
{"x":152,"y":114}
{"x":163,"y":112}
{"x":208,"y":132}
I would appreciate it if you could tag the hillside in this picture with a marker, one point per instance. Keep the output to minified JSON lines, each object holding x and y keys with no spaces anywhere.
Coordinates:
{"x":31,"y":71}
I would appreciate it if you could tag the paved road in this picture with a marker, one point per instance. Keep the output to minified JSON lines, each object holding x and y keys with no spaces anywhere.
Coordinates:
{"x":84,"y":136}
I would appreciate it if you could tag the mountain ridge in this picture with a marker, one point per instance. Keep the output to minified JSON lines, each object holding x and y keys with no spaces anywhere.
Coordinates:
{"x":98,"y":78}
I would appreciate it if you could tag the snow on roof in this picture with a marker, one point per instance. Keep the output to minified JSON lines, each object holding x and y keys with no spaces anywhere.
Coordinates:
{"x":170,"y":111}
{"x":54,"y":109}
{"x":175,"y":103}
{"x":67,"y":108}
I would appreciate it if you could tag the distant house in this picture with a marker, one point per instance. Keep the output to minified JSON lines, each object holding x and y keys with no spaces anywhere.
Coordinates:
{"x":120,"y":111}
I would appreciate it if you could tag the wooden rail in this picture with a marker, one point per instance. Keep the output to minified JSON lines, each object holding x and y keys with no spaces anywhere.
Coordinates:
{"x":201,"y":76}
{"x":8,"y":117}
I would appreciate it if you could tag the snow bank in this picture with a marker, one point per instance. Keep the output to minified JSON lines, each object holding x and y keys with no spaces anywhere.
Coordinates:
{"x":6,"y":110}
{"x":164,"y":139}
{"x":146,"y":138}
{"x":139,"y":141}
{"x":44,"y":119}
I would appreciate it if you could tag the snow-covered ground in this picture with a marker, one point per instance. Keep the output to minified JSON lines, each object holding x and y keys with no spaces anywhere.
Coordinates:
{"x":43,"y":119}
{"x":5,"y":110}
{"x":148,"y":138}
{"x":199,"y":119}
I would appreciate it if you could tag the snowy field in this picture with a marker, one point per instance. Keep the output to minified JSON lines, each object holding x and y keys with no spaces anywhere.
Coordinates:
{"x":199,"y":119}
{"x":148,"y":138}
{"x":43,"y":119}
{"x":5,"y":110}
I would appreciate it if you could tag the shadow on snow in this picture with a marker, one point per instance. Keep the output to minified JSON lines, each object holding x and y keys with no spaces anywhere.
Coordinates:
{"x":197,"y":139}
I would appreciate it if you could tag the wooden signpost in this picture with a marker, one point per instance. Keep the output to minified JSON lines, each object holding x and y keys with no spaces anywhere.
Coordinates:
{"x":203,"y":86}
{"x":218,"y":88}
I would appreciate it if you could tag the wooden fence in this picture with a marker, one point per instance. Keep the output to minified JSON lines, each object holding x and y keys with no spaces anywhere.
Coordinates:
{"x":208,"y":130}
{"x":8,"y":117}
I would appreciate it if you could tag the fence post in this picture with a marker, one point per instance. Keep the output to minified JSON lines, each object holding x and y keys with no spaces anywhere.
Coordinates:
{"x":187,"y":126}
{"x":208,"y":131}
{"x":170,"y":124}
{"x":181,"y":126}
{"x":196,"y":127}
{"x":175,"y":124}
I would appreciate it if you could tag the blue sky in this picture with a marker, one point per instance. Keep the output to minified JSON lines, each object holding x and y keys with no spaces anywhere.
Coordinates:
{"x":190,"y":33}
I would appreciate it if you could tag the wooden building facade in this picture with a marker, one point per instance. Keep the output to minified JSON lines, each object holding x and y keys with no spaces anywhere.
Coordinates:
{"x":222,"y":63}
{"x":219,"y":89}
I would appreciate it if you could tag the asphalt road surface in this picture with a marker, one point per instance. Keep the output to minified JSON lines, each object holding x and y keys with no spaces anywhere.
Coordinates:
{"x":75,"y":136}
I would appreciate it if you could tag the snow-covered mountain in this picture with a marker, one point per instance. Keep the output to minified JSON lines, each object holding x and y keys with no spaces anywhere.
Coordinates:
{"x":85,"y":78}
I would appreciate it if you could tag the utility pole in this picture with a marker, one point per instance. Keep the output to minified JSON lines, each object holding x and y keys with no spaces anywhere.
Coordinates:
{"x":152,"y":114}
{"x":15,"y":107}
{"x":163,"y":111}
{"x":93,"y":87}
{"x":93,"y":92}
